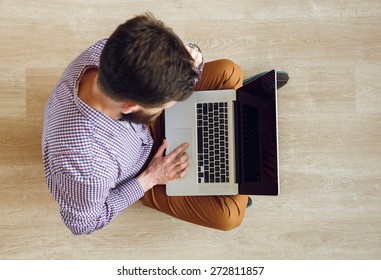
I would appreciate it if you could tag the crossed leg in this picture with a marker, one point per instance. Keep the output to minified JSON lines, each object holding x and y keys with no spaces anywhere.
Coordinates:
{"x":219,"y":212}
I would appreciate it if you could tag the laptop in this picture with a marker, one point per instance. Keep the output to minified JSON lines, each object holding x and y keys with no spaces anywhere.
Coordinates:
{"x":233,"y":140}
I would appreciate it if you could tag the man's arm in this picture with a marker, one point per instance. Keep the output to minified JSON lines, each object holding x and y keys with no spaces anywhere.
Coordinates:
{"x":88,"y":204}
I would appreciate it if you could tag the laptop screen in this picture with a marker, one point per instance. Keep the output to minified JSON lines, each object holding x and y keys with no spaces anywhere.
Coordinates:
{"x":256,"y":136}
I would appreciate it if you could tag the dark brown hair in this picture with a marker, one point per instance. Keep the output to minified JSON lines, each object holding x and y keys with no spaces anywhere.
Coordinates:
{"x":146,"y":62}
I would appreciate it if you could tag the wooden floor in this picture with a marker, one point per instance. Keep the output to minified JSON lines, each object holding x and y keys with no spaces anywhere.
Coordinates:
{"x":329,"y":128}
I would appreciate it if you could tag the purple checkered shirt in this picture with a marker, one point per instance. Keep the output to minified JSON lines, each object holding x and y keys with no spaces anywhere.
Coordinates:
{"x":90,"y":160}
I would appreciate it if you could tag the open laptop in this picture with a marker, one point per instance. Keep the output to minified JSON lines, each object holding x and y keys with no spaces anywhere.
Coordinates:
{"x":233,"y":140}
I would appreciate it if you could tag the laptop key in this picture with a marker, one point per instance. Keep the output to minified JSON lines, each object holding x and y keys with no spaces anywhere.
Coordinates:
{"x":212,"y":138}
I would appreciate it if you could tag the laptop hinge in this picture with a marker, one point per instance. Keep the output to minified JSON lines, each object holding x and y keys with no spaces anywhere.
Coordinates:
{"x":237,"y":141}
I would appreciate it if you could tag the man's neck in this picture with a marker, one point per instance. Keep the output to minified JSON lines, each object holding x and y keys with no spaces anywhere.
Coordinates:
{"x":90,"y":93}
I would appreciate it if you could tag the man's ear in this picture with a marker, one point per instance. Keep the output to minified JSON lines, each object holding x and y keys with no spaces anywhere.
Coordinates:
{"x":129,"y":107}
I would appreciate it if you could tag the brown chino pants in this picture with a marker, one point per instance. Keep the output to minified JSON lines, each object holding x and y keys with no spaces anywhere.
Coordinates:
{"x":219,"y":212}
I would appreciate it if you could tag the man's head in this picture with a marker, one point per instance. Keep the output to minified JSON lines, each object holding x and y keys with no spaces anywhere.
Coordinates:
{"x":146,"y":63}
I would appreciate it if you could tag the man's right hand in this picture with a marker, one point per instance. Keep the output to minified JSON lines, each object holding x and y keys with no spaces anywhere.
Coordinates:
{"x":163,"y":169}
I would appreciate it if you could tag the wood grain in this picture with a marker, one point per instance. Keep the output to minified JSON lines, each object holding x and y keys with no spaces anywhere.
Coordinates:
{"x":329,"y":128}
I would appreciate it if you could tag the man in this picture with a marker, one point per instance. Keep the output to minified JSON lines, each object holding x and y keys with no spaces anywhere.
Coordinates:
{"x":103,"y":131}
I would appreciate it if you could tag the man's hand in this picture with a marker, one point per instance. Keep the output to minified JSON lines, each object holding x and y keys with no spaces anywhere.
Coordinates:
{"x":196,"y":55}
{"x":163,"y":169}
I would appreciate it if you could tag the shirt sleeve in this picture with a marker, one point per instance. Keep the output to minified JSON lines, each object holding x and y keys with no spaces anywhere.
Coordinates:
{"x":88,"y":204}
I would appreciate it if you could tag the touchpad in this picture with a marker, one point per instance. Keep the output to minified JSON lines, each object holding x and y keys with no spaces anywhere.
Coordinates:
{"x":178,"y":136}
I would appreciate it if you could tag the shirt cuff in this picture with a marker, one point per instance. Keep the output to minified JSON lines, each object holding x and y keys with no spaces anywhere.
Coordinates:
{"x":133,"y":191}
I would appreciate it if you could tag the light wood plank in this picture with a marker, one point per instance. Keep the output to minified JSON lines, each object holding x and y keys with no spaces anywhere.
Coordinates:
{"x":329,"y":125}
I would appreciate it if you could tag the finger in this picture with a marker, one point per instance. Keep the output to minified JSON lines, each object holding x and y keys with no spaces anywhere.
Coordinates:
{"x":175,"y":173}
{"x":196,"y":55}
{"x":161,"y":149}
{"x":178,"y":152}
{"x":183,"y":165}
{"x":182,"y":157}
{"x":193,"y":52}
{"x":183,"y":173}
{"x":180,"y":163}
{"x":177,"y":169}
{"x":198,"y":58}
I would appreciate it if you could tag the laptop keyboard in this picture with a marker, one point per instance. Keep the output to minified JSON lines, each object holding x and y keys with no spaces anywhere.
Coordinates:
{"x":212,"y":142}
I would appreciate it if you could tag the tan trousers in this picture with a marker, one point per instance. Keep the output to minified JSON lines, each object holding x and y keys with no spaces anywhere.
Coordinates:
{"x":219,"y":212}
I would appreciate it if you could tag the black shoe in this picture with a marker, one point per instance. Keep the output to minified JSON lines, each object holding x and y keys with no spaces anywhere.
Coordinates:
{"x":281,"y":78}
{"x":249,"y":202}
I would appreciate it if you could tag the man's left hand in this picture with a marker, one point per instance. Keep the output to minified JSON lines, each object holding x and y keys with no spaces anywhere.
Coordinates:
{"x":196,"y":55}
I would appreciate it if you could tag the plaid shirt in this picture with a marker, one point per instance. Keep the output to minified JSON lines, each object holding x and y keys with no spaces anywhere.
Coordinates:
{"x":90,"y":160}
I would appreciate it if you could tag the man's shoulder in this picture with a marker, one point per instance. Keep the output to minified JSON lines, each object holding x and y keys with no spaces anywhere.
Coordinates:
{"x":97,"y":48}
{"x":88,"y":58}
{"x":69,"y":132}
{"x":91,"y":55}
{"x":72,"y":147}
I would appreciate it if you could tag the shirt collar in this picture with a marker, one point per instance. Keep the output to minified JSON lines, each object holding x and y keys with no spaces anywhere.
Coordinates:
{"x":111,"y":126}
{"x":102,"y":121}
{"x":99,"y":119}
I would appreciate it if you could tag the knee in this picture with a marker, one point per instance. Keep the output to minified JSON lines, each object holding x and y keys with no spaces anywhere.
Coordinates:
{"x":232,"y":73}
{"x":232,"y":214}
{"x":229,"y":223}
